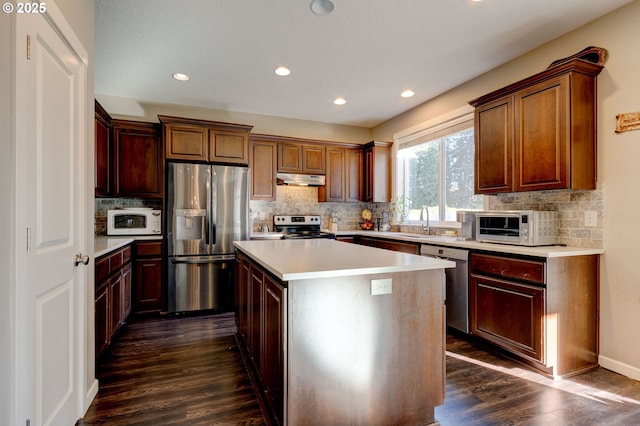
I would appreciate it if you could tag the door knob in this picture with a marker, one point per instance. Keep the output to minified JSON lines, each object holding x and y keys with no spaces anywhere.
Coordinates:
{"x":80,"y":258}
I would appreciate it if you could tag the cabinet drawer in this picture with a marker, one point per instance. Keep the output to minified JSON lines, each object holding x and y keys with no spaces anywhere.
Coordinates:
{"x":149,"y":248}
{"x":519,"y":269}
{"x":116,"y":261}
{"x":102,"y":269}
{"x":126,"y":255}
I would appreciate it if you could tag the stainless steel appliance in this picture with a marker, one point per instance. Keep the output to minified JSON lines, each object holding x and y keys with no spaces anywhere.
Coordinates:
{"x":467,"y":220}
{"x":520,"y":227}
{"x":134,"y":221}
{"x":297,"y":227}
{"x":457,"y":284}
{"x":207,"y":209}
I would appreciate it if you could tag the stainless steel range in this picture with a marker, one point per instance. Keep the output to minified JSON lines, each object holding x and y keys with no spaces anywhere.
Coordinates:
{"x":298,"y":227}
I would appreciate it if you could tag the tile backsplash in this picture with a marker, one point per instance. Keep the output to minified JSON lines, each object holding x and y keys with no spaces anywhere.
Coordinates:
{"x":571,"y":206}
{"x":299,"y":200}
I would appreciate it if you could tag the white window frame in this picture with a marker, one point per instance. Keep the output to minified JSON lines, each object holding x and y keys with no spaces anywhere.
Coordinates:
{"x":424,"y":130}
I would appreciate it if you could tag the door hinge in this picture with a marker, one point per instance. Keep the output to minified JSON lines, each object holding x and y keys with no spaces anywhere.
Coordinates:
{"x":28,"y":239}
{"x":28,"y":47}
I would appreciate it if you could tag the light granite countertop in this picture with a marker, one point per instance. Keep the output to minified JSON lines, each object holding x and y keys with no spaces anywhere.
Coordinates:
{"x":541,"y":251}
{"x":105,"y":245}
{"x":325,"y":258}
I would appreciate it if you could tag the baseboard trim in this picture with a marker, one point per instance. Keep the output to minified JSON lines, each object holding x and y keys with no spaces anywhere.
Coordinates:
{"x":619,"y":367}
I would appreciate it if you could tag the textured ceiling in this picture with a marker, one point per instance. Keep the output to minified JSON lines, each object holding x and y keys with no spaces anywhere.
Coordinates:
{"x":367,"y":51}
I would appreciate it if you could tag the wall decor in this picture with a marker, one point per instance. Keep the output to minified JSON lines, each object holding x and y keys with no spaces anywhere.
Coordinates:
{"x":627,"y":121}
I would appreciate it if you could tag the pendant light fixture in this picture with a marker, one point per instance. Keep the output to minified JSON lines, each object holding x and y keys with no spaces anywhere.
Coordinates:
{"x":322,"y":7}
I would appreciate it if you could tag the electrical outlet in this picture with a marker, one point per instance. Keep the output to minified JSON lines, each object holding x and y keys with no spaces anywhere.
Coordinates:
{"x":381,"y":286}
{"x":590,"y":218}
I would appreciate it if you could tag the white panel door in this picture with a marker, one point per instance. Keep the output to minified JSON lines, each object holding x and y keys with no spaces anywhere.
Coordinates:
{"x":50,"y":224}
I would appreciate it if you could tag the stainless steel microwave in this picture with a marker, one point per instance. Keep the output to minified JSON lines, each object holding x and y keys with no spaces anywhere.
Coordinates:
{"x":134,"y":221}
{"x":520,"y":227}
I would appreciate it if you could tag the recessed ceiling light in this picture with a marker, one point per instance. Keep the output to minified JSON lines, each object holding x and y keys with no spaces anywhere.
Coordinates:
{"x":180,"y":76}
{"x":340,"y":101}
{"x":282,"y":71}
{"x":407,"y":94}
{"x":322,"y":7}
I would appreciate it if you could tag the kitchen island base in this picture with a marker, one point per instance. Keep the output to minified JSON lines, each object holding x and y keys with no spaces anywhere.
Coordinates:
{"x":346,"y":356}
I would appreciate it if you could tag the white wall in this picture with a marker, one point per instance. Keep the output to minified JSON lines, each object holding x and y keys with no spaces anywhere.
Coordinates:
{"x":6,"y":208}
{"x":618,"y":165}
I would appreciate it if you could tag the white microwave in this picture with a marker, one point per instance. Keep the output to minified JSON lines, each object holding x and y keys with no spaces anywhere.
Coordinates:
{"x":520,"y":227}
{"x":134,"y":221}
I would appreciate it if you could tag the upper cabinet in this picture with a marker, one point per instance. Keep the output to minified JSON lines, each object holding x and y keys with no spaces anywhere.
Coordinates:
{"x":377,"y":172}
{"x":301,"y":158}
{"x":102,"y":141}
{"x":206,"y":141}
{"x":343,"y":175}
{"x":263,"y":163}
{"x":137,"y":159}
{"x":538,"y":133}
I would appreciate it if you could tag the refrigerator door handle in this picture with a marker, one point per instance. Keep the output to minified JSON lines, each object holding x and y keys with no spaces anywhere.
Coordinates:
{"x":202,"y":260}
{"x":213,"y":206}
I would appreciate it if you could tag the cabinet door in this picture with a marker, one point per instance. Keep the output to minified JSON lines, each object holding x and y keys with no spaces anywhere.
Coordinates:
{"x":242,"y":291}
{"x":254,"y":317}
{"x":102,"y":147}
{"x":313,"y":159}
{"x":508,"y":314}
{"x":148,"y":284}
{"x":138,"y":160}
{"x":354,"y":175}
{"x":494,"y":142}
{"x":274,"y":355}
{"x":377,"y":172}
{"x":335,"y":185}
{"x":186,"y":142}
{"x":101,"y":310}
{"x":126,"y":292}
{"x":411,"y":248}
{"x":289,"y":158}
{"x":263,"y":164}
{"x":115,"y":297}
{"x":228,"y":146}
{"x":542,"y":136}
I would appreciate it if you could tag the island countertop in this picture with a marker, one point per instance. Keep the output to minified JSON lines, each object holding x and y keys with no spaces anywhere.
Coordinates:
{"x":325,"y":258}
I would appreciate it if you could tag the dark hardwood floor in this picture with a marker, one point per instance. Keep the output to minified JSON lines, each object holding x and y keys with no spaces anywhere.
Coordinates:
{"x":188,"y":371}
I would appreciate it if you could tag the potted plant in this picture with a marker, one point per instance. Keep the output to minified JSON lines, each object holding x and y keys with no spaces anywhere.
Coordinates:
{"x":403,"y":203}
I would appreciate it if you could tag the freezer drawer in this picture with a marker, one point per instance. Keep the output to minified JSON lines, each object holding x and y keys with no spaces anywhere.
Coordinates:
{"x":200,"y":283}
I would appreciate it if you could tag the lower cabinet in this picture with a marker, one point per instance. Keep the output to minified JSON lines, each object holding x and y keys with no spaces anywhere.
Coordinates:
{"x":260,"y":317}
{"x":405,"y":247}
{"x":112,"y":301}
{"x":542,"y":310}
{"x":148,"y":285}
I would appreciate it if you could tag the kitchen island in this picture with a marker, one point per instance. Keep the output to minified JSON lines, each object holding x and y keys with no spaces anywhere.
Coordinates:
{"x":336,"y":333}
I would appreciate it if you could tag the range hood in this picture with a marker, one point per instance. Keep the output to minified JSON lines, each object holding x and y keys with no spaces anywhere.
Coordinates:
{"x":300,"y":179}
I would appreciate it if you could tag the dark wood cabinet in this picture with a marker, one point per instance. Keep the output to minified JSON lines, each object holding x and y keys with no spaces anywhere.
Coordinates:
{"x":301,"y":158}
{"x":148,"y":285}
{"x":205,"y":141}
{"x":377,"y":172}
{"x":542,"y":310}
{"x":138,"y":159}
{"x":261,"y":325}
{"x":538,"y":133}
{"x":273,"y":349}
{"x":343,"y":175}
{"x":112,"y":295}
{"x":402,"y":246}
{"x":102,"y":147}
{"x":263,"y":163}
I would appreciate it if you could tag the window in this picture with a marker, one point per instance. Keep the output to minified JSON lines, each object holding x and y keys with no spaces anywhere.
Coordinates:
{"x":435,"y":170}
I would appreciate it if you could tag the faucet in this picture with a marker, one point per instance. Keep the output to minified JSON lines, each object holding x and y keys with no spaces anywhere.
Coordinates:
{"x":424,"y":215}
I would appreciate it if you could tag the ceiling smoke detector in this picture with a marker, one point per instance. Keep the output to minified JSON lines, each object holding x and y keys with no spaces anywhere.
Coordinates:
{"x":322,"y":7}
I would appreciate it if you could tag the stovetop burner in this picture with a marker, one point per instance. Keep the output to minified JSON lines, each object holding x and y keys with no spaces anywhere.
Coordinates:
{"x":298,"y":227}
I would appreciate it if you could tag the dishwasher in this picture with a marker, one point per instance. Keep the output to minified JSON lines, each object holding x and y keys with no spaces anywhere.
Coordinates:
{"x":457,"y":284}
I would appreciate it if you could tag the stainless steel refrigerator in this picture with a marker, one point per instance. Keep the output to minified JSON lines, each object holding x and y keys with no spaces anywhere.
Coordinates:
{"x":207,"y":209}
